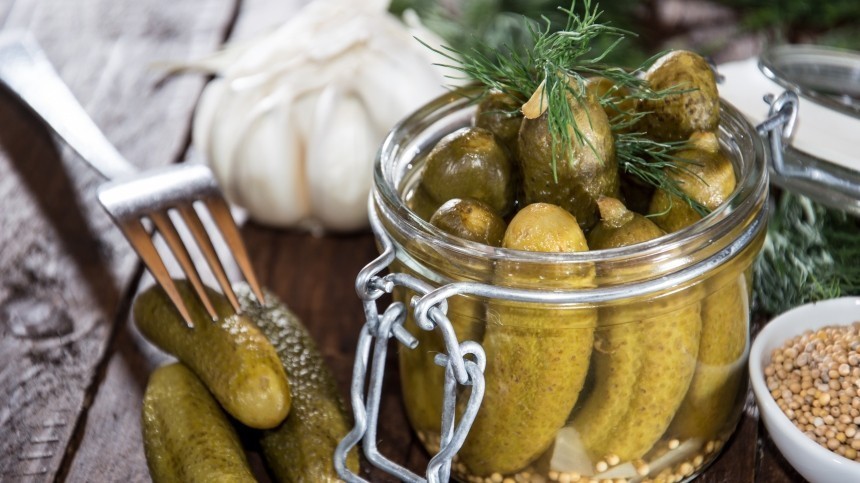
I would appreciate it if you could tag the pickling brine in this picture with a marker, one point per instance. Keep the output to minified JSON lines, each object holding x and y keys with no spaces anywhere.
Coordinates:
{"x":637,"y":376}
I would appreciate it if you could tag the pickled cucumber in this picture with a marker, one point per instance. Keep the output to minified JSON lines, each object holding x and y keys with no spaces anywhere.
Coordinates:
{"x":618,"y":342}
{"x":577,"y":180}
{"x":186,"y":436}
{"x":669,"y":346}
{"x":725,"y":318}
{"x":470,"y":163}
{"x":301,"y":448}
{"x":711,"y":398}
{"x":500,"y":114}
{"x":537,"y":356}
{"x":471,"y":220}
{"x":617,"y":103}
{"x":695,"y":106}
{"x":231,"y":356}
{"x":708,"y":178}
{"x":421,"y":379}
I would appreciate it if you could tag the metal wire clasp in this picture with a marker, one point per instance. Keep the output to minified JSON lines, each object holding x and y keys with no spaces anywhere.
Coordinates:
{"x":464,"y":364}
{"x":778,"y":127}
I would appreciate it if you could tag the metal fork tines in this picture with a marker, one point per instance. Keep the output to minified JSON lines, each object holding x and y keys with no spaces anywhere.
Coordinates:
{"x":176,"y":188}
{"x":26,"y":71}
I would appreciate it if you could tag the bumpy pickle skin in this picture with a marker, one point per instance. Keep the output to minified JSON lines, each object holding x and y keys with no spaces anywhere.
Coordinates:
{"x":695,"y":106}
{"x":708,"y":178}
{"x":470,"y":220}
{"x":302,"y":447}
{"x":470,"y":163}
{"x":230,"y":355}
{"x":421,"y":379}
{"x":633,"y":418}
{"x":500,"y":114}
{"x":186,"y":436}
{"x":588,"y":171}
{"x":537,"y":356}
{"x":671,"y":344}
{"x":618,"y":349}
{"x":725,"y":312}
{"x":710,"y":401}
{"x":616,"y":101}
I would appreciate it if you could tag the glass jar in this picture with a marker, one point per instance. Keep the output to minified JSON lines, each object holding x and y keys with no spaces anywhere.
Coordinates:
{"x":628,"y":363}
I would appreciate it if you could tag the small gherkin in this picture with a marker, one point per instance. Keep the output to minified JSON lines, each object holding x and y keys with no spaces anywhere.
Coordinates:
{"x":695,"y":105}
{"x":500,"y":114}
{"x":470,"y":220}
{"x":230,"y":355}
{"x":587,"y":170}
{"x":537,"y":355}
{"x":707,"y":176}
{"x":470,"y":163}
{"x":643,"y":366}
{"x":422,"y":380}
{"x":300,"y":449}
{"x":186,"y":436}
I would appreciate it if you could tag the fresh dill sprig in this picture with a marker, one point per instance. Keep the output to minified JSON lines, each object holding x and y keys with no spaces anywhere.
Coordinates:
{"x":558,"y":62}
{"x":810,"y":254}
{"x":647,"y":160}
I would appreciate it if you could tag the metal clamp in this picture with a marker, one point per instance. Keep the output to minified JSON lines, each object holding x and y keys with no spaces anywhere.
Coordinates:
{"x":464,"y":364}
{"x":778,"y":127}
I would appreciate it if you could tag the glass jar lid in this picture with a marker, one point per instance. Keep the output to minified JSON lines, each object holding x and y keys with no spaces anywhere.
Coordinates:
{"x":822,"y":159}
{"x":825,"y":75}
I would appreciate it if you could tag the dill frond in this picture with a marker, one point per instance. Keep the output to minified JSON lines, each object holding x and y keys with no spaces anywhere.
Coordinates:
{"x":648,"y":161}
{"x":561,"y":61}
{"x":810,"y":254}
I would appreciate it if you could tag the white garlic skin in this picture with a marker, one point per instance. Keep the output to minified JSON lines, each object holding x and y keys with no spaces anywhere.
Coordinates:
{"x":292,"y":122}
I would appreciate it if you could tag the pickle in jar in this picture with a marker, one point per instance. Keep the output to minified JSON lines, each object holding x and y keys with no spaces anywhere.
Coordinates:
{"x":537,"y":355}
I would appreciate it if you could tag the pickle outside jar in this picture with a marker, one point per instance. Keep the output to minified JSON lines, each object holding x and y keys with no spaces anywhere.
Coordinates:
{"x":638,"y":375}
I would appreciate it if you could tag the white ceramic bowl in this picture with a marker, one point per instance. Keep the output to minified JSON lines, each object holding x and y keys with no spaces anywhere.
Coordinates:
{"x":814,"y":462}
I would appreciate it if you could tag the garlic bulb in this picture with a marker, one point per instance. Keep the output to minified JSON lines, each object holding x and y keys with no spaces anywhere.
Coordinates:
{"x":292,"y":122}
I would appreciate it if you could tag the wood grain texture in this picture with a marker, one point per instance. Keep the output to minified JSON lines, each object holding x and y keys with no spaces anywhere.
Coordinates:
{"x":65,"y":267}
{"x":117,"y":403}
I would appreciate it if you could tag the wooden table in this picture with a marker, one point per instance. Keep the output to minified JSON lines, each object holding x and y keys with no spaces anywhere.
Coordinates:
{"x":72,"y":367}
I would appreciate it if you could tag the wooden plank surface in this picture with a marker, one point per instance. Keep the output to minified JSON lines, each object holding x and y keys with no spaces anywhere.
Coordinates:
{"x":66,"y":270}
{"x":117,"y":402}
{"x":72,"y":367}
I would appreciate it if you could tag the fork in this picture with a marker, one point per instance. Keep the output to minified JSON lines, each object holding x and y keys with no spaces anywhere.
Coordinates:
{"x":132,"y":196}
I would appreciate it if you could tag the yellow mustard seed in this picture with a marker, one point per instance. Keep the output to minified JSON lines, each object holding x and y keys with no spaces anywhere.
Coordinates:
{"x":815,"y":380}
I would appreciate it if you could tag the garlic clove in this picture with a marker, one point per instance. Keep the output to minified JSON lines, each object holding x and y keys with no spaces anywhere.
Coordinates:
{"x":230,"y":120}
{"x":340,"y":157}
{"x":268,"y":165}
{"x":378,"y":68}
{"x":204,"y":114}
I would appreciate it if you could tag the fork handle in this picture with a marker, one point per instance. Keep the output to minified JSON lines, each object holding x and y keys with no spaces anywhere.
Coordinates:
{"x":28,"y":73}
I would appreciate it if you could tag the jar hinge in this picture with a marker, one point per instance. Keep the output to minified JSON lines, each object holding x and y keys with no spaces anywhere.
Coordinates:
{"x":464,"y":364}
{"x":778,"y":127}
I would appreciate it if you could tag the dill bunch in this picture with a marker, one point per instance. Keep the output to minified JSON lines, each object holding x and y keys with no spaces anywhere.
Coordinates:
{"x":559,"y":62}
{"x":810,"y":254}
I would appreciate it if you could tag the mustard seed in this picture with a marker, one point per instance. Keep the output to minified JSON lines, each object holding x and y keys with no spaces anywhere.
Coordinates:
{"x":815,"y":380}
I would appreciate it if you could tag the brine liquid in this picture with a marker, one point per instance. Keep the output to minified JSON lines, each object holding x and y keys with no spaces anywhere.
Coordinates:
{"x":630,"y":403}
